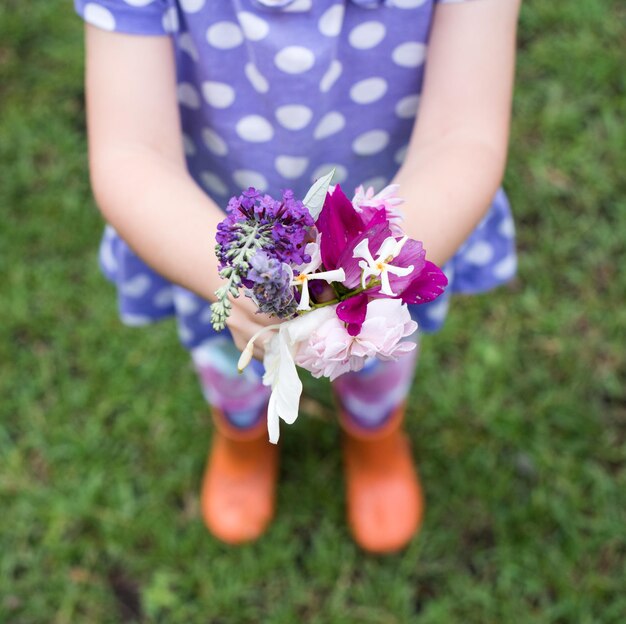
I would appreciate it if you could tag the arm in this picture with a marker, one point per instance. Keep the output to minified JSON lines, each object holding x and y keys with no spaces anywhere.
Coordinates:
{"x":137,"y":167}
{"x":457,"y":153}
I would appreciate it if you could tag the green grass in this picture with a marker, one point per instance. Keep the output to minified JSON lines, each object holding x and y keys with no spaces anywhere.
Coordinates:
{"x":519,"y":417}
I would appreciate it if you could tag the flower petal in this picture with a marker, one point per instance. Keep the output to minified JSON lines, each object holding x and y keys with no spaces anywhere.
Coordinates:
{"x":427,"y":286}
{"x":339,"y":223}
{"x":353,"y":311}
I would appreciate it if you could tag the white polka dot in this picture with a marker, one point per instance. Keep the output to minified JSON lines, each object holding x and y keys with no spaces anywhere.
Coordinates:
{"x":170,"y":20}
{"x":257,"y":80}
{"x":505,"y":269}
{"x":408,"y":4}
{"x":407,"y":106}
{"x":187,"y":95}
{"x":329,"y":124}
{"x":437,"y":311}
{"x":368,"y":90}
{"x":99,"y":16}
{"x":224,"y":35}
{"x":294,"y":116}
{"x":299,"y":5}
{"x":185,"y":303}
{"x":213,"y":183}
{"x":189,"y":146}
{"x":218,"y":94}
{"x":191,"y":6}
{"x":294,"y":59}
{"x":136,"y":286}
{"x":184,"y":333}
{"x":411,"y":54}
{"x":108,"y":259}
{"x":341,"y":173}
{"x":507,"y":228}
{"x":254,"y":28}
{"x":370,"y":142}
{"x":400,"y":155}
{"x":205,"y":317}
{"x":214,"y":142}
{"x":164,"y":297}
{"x":366,"y":35}
{"x":291,"y":167}
{"x":254,"y":128}
{"x":378,"y":183}
{"x":187,"y":44}
{"x":330,"y":77}
{"x":245,"y":178}
{"x":331,"y":21}
{"x":135,"y":320}
{"x":138,"y":2}
{"x":479,"y":253}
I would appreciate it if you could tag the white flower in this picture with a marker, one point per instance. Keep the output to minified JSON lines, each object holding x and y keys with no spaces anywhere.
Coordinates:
{"x":381,"y":266}
{"x":307,"y":273}
{"x":280,"y":368}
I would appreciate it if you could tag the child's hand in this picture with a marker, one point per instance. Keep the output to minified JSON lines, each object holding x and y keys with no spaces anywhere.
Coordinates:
{"x":244,"y":322}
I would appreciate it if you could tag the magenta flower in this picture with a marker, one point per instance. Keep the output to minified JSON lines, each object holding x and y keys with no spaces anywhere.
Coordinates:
{"x":374,"y":260}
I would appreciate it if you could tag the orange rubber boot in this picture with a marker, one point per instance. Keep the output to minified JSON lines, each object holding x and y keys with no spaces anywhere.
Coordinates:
{"x":239,"y":486}
{"x":384,"y":496}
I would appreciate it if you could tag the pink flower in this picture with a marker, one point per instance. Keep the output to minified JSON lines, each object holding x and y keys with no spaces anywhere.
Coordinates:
{"x":331,"y":351}
{"x":367,"y":204}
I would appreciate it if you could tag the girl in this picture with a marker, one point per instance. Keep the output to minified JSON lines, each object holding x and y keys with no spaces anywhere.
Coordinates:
{"x":191,"y":101}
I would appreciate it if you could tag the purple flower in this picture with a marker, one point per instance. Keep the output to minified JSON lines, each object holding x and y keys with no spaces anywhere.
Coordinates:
{"x":280,"y":227}
{"x":270,"y":287}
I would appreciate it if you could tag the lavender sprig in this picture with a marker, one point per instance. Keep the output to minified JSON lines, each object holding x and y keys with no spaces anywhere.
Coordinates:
{"x":256,"y":221}
{"x":271,"y":289}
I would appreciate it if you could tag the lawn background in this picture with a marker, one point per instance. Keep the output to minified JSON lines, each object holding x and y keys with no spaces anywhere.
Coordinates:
{"x":518,"y":414}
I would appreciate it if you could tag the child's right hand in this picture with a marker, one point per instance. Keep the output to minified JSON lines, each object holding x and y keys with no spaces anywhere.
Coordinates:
{"x":244,"y":322}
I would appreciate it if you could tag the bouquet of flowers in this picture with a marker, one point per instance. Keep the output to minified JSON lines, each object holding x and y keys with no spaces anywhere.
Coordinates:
{"x":339,"y":273}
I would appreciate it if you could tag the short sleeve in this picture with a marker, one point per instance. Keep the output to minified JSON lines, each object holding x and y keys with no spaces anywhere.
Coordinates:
{"x":139,"y":17}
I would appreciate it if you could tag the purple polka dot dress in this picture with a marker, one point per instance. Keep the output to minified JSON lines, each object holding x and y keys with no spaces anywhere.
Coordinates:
{"x":273,"y":94}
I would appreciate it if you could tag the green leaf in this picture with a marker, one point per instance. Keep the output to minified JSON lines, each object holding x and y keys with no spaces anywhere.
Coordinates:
{"x":314,"y":199}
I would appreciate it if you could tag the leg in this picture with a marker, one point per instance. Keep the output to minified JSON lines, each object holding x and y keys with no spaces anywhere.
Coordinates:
{"x":384,"y":497}
{"x":238,"y":491}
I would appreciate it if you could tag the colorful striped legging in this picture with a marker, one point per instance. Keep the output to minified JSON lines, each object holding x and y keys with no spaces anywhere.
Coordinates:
{"x":368,"y":398}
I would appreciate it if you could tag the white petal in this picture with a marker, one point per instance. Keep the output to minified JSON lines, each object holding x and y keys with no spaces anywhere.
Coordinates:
{"x":273,"y":427}
{"x":386,"y":249}
{"x":362,"y":250}
{"x":385,"y":286}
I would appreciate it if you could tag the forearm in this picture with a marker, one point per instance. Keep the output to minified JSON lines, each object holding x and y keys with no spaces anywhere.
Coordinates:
{"x":448,"y":188}
{"x":159,"y":210}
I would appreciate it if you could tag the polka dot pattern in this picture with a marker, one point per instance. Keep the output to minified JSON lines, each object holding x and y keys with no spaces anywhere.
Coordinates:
{"x":245,"y":178}
{"x":294,"y":59}
{"x":294,"y":116}
{"x":370,"y":142}
{"x":368,"y":90}
{"x":274,"y":94}
{"x":254,"y":28}
{"x":255,"y":129}
{"x":257,"y":80}
{"x":367,"y":35}
{"x":331,"y":76}
{"x":99,"y":16}
{"x":291,"y":167}
{"x":214,"y":142}
{"x":411,"y":54}
{"x":224,"y":35}
{"x":218,"y":94}
{"x":330,"y":124}
{"x":213,"y":183}
{"x":331,"y":21}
